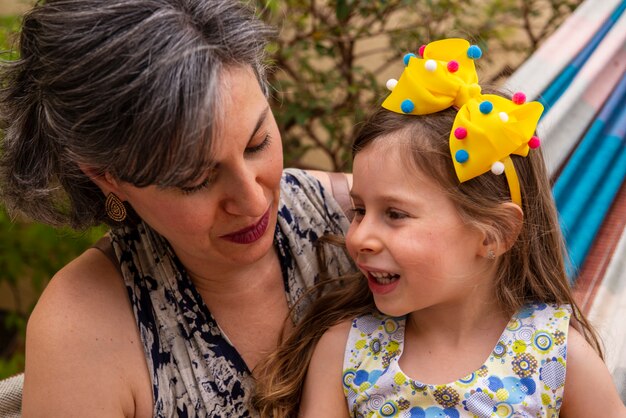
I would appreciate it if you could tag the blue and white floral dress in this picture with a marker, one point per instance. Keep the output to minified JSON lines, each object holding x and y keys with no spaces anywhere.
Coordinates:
{"x":195,"y":371}
{"x":524,"y":376}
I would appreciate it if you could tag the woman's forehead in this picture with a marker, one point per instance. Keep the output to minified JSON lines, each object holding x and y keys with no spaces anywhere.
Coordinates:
{"x":242,"y":107}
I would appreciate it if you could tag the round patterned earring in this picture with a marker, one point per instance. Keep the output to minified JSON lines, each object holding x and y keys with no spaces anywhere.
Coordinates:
{"x":115,"y":208}
{"x":491,"y":255}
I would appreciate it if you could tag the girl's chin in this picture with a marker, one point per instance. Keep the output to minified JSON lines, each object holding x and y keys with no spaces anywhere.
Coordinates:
{"x":386,"y":309}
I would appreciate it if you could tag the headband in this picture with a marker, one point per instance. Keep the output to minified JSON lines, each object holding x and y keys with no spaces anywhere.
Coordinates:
{"x":487,"y":128}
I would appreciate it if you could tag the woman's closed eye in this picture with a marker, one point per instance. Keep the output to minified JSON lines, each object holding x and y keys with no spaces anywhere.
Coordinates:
{"x":254,"y":149}
{"x":205,"y":183}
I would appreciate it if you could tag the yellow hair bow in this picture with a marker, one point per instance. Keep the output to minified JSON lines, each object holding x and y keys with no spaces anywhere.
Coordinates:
{"x":487,"y":128}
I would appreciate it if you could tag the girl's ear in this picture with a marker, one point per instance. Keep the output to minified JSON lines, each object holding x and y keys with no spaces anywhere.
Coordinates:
{"x":514,"y":226}
{"x":510,"y":229}
{"x":106,"y":182}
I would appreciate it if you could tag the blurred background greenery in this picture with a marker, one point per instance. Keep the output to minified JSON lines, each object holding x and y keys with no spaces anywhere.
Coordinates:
{"x":332,"y":59}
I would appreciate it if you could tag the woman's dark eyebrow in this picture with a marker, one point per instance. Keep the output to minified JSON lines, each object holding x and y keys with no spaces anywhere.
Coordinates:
{"x":259,"y":122}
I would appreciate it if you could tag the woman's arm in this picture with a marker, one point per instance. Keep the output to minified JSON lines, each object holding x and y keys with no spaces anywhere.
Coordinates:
{"x":83,"y":353}
{"x":339,"y":184}
{"x":324,"y":178}
{"x":589,"y":389}
{"x":322,"y":395}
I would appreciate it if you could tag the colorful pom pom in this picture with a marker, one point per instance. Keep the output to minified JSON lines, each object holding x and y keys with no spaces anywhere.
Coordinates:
{"x":431,"y":65}
{"x":391,"y":84}
{"x":421,"y":50}
{"x":534,"y":142}
{"x":474,"y":52}
{"x":486,"y":107}
{"x":407,"y":106}
{"x":460,"y":133}
{"x":504,"y":117}
{"x":519,"y":98}
{"x":461,"y":156}
{"x":407,"y":57}
{"x":453,"y":66}
{"x":497,"y":168}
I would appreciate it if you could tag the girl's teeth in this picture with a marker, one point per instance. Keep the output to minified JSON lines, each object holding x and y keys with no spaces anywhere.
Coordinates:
{"x":384,"y":278}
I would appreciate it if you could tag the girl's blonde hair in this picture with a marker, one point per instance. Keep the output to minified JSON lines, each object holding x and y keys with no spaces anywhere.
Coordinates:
{"x":533,"y":270}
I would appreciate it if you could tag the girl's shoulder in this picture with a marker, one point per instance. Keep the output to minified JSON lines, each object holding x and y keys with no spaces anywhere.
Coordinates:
{"x":589,"y":387}
{"x":542,"y":314}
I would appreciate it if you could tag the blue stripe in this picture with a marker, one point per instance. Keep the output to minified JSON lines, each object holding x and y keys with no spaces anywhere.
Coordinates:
{"x":590,"y":181}
{"x":592,"y":139}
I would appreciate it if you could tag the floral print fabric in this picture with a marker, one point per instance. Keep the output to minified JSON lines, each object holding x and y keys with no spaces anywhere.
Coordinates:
{"x":524,"y":375}
{"x":195,"y":371}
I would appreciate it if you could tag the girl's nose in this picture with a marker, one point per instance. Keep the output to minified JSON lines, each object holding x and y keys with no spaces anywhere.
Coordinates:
{"x":362,"y":237}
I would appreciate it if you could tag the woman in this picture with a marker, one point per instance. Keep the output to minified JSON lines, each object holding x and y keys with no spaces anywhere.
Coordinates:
{"x":151,"y":116}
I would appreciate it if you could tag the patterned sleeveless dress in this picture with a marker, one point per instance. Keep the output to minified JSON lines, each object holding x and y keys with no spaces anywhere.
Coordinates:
{"x":523,"y":376}
{"x":195,"y":371}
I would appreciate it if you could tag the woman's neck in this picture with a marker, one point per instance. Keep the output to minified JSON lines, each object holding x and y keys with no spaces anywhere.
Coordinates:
{"x":249,"y":305}
{"x":235,"y":281}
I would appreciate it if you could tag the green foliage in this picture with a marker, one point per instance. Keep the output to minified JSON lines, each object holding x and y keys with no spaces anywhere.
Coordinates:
{"x":9,"y":25}
{"x":30,"y":254}
{"x":12,"y":366}
{"x":333,"y":58}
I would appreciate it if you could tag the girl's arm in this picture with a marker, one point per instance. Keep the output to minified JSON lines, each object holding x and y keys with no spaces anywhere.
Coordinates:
{"x":322,"y":395}
{"x":589,"y":389}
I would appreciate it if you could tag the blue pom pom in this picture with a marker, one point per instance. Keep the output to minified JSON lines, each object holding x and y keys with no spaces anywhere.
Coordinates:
{"x":407,"y":106}
{"x":474,"y":52}
{"x":486,"y":107}
{"x":407,"y":57}
{"x":461,"y":156}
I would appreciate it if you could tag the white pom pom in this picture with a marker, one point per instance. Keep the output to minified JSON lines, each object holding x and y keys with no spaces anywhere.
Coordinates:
{"x":391,"y":84}
{"x":504,"y":117}
{"x":497,"y":168}
{"x":431,"y":65}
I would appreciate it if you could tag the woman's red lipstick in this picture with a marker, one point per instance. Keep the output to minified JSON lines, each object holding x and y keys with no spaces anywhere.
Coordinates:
{"x":251,"y":233}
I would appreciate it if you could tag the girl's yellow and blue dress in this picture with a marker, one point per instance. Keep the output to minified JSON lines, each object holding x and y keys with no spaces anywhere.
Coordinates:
{"x":523,"y":376}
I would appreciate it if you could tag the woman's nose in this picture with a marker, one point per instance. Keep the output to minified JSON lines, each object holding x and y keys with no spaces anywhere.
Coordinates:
{"x":245,"y":195}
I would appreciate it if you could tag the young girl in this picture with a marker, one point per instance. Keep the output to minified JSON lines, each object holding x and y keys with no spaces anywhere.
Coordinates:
{"x":463,"y":308}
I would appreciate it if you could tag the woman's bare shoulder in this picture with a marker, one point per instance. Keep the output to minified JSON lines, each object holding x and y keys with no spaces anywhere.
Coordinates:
{"x":82,"y":340}
{"x":79,"y":294}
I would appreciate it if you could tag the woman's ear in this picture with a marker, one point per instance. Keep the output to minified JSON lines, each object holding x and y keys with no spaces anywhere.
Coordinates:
{"x":105,"y":181}
{"x":509,"y":230}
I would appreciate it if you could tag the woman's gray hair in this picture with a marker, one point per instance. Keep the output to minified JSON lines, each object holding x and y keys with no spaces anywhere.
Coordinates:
{"x":129,"y":87}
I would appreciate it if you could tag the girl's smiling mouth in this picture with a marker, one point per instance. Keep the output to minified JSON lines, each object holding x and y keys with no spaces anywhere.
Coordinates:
{"x":380,"y":282}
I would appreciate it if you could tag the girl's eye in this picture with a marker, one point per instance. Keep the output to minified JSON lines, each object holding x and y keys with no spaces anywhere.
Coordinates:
{"x":357,"y":213}
{"x":258,"y":148}
{"x":394,"y":214}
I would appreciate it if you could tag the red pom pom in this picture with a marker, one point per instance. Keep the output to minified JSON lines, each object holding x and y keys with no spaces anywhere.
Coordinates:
{"x":519,"y":98}
{"x":460,"y":133}
{"x":534,"y":142}
{"x":453,"y":66}
{"x":421,"y":51}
